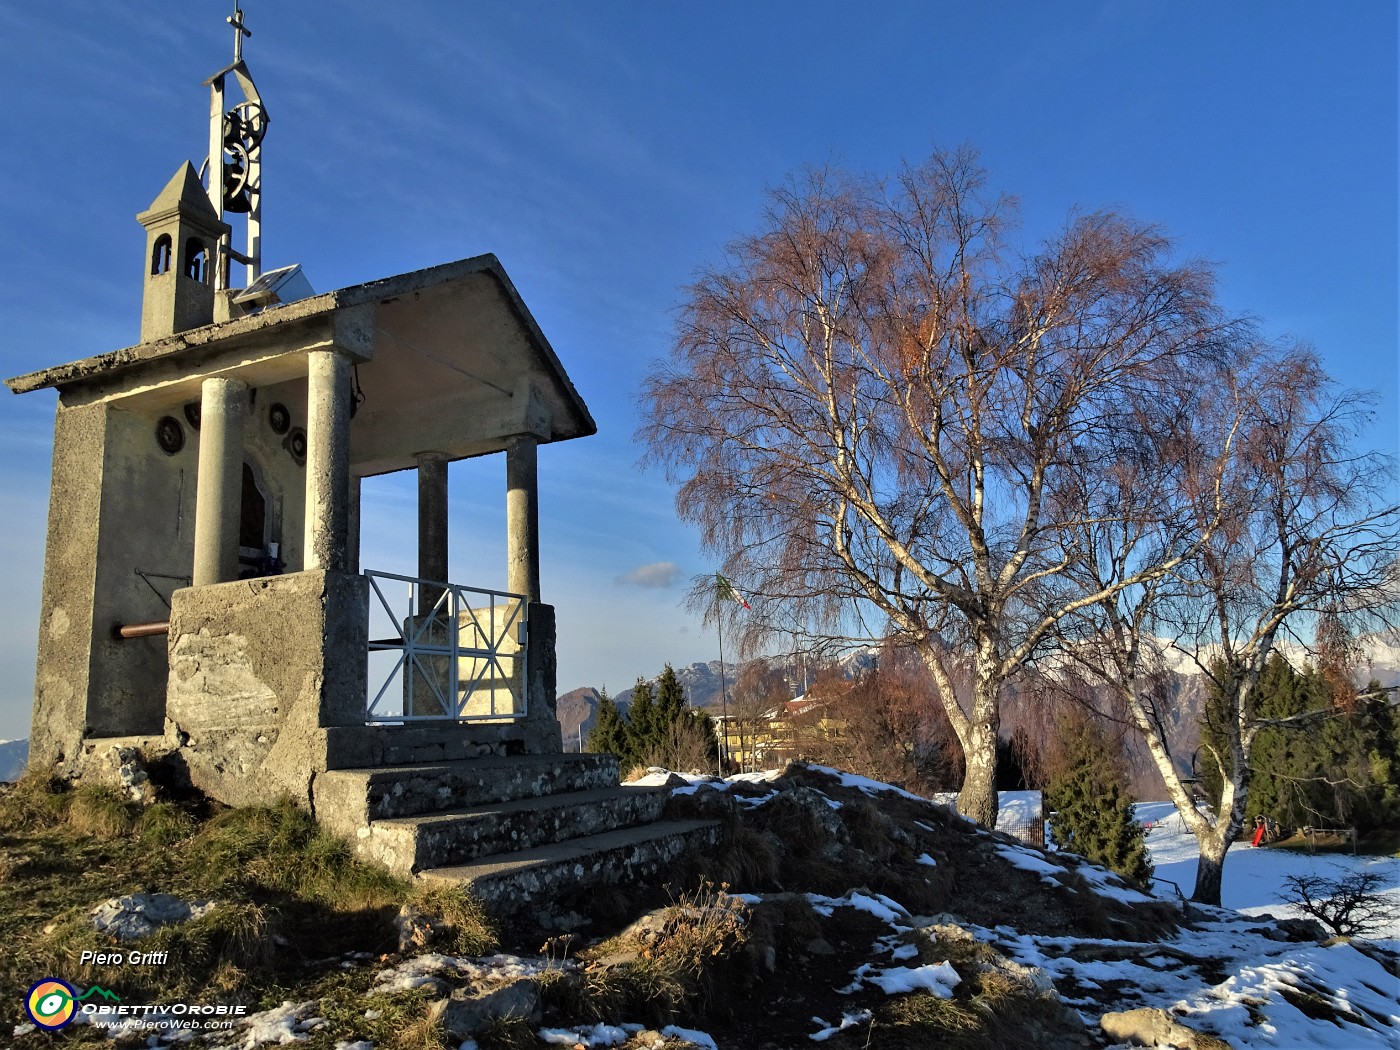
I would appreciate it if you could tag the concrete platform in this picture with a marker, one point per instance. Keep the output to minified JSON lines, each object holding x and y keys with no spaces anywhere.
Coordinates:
{"x":353,"y":747}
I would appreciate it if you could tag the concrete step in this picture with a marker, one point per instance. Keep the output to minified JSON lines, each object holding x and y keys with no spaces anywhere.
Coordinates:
{"x":347,"y":800}
{"x":518,"y":883}
{"x":419,"y":743}
{"x":433,"y":840}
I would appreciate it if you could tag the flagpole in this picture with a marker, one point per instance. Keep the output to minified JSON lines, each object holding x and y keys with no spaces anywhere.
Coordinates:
{"x":723,"y":689}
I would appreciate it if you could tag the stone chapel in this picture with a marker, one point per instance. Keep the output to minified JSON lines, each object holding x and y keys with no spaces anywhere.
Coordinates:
{"x":203,"y":595}
{"x":204,"y":607}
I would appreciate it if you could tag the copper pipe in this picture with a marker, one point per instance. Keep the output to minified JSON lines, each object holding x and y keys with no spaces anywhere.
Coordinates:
{"x":143,"y":630}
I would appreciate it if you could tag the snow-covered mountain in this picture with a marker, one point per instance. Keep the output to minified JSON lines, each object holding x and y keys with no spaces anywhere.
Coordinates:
{"x":13,"y":756}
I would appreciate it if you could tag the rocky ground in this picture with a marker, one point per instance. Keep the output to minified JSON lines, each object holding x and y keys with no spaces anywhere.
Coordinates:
{"x":837,"y":911}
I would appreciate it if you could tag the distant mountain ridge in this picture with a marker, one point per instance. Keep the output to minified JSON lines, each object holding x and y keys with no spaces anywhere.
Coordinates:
{"x":14,"y":756}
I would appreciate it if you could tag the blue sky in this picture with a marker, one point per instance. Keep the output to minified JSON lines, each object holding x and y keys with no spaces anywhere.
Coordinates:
{"x":605,"y":151}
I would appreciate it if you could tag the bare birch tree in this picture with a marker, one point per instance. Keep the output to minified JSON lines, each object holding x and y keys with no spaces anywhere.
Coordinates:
{"x":876,"y":404}
{"x":1291,"y":543}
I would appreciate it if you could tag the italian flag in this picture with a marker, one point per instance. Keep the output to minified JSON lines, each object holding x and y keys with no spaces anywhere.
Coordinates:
{"x":727,"y":592}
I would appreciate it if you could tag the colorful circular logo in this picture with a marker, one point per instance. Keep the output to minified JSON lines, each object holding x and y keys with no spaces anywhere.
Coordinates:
{"x":51,"y":1003}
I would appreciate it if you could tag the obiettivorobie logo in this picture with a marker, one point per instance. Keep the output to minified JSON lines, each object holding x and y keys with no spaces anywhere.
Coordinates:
{"x":52,"y":1004}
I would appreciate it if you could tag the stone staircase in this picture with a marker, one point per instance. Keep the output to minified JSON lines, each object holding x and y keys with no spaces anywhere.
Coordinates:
{"x":517,"y":831}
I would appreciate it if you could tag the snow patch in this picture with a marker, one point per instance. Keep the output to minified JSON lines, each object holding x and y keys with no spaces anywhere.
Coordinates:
{"x":690,"y":1035}
{"x":938,"y":979}
{"x":847,"y":1021}
{"x":589,"y":1036}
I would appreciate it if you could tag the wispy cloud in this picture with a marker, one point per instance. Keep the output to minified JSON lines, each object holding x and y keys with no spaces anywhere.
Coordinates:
{"x":657,"y":574}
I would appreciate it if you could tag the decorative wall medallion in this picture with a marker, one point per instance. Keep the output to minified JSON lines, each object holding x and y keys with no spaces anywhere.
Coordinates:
{"x":170,"y":436}
{"x":296,"y":445}
{"x":279,"y":418}
{"x":192,"y":414}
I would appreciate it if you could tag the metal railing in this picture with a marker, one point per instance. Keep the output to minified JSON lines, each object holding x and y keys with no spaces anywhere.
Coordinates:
{"x":444,"y":651}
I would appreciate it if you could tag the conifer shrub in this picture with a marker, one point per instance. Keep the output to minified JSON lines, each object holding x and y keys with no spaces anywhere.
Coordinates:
{"x":1093,"y":813}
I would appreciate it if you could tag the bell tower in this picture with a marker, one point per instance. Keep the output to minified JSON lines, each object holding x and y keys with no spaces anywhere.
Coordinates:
{"x":189,"y":245}
{"x":183,"y":233}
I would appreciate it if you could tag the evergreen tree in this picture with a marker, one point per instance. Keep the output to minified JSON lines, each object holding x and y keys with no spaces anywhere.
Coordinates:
{"x":610,"y":733}
{"x":645,"y":728}
{"x":1093,"y":813}
{"x":1340,"y":771}
{"x":663,"y":730}
{"x":671,"y":703}
{"x":1281,"y":784}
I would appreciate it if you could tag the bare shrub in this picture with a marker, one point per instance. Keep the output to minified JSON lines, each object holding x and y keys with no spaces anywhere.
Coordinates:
{"x":684,"y":745}
{"x":885,"y":724}
{"x":1351,"y":906}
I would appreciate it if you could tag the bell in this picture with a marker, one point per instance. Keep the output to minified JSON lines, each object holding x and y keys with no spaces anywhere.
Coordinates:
{"x":236,"y":195}
{"x":238,"y":168}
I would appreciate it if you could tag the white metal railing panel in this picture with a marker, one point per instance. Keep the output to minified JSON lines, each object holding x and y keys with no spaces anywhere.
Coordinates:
{"x":444,"y":651}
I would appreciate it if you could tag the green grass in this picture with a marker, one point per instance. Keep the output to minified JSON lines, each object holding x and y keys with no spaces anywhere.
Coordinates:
{"x":290,"y":900}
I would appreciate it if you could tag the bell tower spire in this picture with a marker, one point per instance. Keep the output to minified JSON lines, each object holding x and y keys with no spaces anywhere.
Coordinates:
{"x":183,"y":235}
{"x":234,"y":167}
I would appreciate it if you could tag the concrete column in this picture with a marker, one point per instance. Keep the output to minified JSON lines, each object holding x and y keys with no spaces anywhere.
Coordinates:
{"x":223,"y":407}
{"x":352,"y":543}
{"x":432,"y":525}
{"x":327,"y":460}
{"x":523,"y":517}
{"x":432,"y":516}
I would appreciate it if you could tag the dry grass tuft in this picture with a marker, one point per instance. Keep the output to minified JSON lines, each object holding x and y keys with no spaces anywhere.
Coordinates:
{"x":870,"y":830}
{"x":677,"y":963}
{"x":424,"y":1032}
{"x":281,"y":848}
{"x":507,"y":1033}
{"x":922,"y":1010}
{"x":747,"y":858}
{"x":34,"y":801}
{"x":997,"y":991}
{"x":464,"y":928}
{"x":102,"y":811}
{"x":785,"y":922}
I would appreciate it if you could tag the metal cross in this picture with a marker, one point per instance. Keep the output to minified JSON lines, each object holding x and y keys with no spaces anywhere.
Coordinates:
{"x":240,"y":31}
